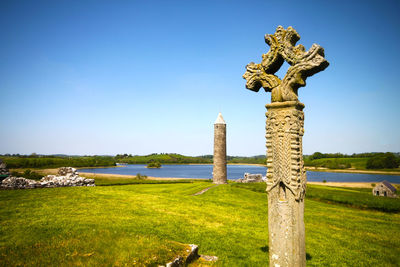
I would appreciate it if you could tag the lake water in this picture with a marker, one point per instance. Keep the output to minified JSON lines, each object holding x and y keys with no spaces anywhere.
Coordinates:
{"x":236,"y":172}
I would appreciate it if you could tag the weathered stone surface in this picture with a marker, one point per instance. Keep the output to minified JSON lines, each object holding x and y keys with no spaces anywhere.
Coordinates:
{"x":18,"y":183}
{"x":286,"y":184}
{"x":71,"y":178}
{"x":286,"y":177}
{"x":385,"y":189}
{"x":68,"y":180}
{"x":208,"y":258}
{"x":219,"y":169}
{"x":251,"y":178}
{"x":285,"y":129}
{"x":177,"y":262}
{"x":191,"y":255}
{"x":65,"y":170}
{"x":282,"y":48}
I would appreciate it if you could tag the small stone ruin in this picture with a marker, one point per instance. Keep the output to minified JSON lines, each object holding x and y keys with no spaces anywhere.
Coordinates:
{"x":67,"y":176}
{"x":251,"y":178}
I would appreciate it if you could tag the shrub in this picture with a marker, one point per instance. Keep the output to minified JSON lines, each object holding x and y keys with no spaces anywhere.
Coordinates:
{"x":317,"y":155}
{"x":154,"y":164}
{"x":141,"y":177}
{"x":28,"y":174}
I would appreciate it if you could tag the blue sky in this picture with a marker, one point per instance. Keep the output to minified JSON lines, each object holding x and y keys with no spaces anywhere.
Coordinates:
{"x":140,"y":77}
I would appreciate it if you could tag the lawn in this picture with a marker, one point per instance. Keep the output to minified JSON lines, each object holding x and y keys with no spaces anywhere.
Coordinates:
{"x":360,"y":198}
{"x":147,"y":225}
{"x":128,"y":181}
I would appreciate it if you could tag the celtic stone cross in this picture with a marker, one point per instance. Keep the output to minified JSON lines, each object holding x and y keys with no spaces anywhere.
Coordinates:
{"x":286,"y":177}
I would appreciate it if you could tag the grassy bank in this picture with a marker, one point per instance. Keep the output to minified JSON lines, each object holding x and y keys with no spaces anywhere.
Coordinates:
{"x":360,"y":198}
{"x":146,"y":224}
{"x":127,"y":181}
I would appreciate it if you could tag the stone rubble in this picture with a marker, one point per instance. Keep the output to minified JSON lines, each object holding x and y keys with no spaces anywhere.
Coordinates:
{"x":67,"y":176}
{"x":251,"y":178}
{"x":13,"y":182}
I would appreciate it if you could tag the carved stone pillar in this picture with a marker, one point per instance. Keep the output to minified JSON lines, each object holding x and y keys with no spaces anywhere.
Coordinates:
{"x":286,"y":178}
{"x":286,"y":183}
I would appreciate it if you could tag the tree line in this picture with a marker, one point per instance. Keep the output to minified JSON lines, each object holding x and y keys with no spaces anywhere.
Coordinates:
{"x":14,"y":162}
{"x":377,"y":160}
{"x":329,"y":160}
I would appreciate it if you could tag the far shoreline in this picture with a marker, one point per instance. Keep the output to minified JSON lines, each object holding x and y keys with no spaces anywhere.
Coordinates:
{"x":248,"y":164}
{"x":308,"y":168}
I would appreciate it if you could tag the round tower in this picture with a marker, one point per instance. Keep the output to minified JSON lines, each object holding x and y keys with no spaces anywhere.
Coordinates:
{"x":219,"y":170}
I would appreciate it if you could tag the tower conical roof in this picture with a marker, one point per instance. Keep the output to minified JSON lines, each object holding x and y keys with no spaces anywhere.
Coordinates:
{"x":220,"y":119}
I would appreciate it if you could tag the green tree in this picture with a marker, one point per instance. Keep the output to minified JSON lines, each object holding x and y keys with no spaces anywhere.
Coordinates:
{"x":383,"y":161}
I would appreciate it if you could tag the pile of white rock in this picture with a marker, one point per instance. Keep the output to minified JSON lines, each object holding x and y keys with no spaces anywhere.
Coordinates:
{"x":67,"y":176}
{"x":13,"y":182}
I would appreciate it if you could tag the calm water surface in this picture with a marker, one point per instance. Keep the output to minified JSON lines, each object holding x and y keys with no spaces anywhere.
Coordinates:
{"x":236,"y":172}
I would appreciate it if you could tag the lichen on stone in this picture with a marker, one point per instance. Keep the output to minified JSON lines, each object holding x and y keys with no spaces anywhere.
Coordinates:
{"x":283,"y":48}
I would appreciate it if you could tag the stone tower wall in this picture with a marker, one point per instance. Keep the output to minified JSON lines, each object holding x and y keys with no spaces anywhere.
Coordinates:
{"x":219,"y":170}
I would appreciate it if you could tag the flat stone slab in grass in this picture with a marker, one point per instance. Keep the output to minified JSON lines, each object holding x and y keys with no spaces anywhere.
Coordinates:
{"x":191,"y":255}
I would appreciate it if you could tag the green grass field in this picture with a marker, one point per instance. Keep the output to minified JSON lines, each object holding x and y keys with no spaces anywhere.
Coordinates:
{"x":129,"y":181}
{"x":147,"y":225}
{"x":360,"y":198}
